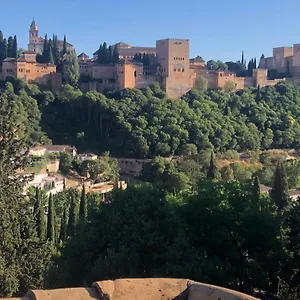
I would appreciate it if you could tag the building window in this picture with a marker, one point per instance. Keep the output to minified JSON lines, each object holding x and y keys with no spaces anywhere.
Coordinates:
{"x":178,"y":70}
{"x":174,"y":70}
{"x":182,"y":70}
{"x":134,"y":73}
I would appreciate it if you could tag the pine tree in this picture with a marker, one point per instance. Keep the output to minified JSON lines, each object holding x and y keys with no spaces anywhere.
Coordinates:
{"x":51,"y":221}
{"x":64,"y":225}
{"x":73,"y":216}
{"x":83,"y":205}
{"x":115,"y":56}
{"x":10,"y":44}
{"x":65,"y":48}
{"x":15,"y":48}
{"x":212,"y":168}
{"x":280,"y":188}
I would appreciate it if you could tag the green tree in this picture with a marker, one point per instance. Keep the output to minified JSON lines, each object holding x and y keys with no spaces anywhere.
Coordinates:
{"x":229,"y":87}
{"x":65,"y":48}
{"x":212,"y":168}
{"x":45,"y":54}
{"x":64,"y":225}
{"x":71,"y":73}
{"x":51,"y":229}
{"x":73,"y":215}
{"x":256,"y":189}
{"x":280,"y":190}
{"x":201,"y":83}
{"x":83,"y":205}
{"x":41,"y":221}
{"x":24,"y":257}
{"x":115,"y":56}
{"x":15,"y":48}
{"x":10,"y":47}
{"x":65,"y":162}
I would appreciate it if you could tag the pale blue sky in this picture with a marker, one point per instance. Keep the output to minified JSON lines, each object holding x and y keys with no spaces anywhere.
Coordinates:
{"x":217,"y":29}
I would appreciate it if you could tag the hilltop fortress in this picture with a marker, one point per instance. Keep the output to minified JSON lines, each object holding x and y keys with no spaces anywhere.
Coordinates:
{"x":285,"y":62}
{"x":168,"y":64}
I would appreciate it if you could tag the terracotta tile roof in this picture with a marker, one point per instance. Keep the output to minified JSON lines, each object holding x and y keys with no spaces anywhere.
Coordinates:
{"x":142,"y":289}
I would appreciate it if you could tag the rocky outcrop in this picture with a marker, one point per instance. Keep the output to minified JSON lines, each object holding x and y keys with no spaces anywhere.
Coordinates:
{"x":140,"y":289}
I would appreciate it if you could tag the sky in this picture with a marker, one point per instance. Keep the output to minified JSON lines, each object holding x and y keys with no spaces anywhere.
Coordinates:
{"x":217,"y":29}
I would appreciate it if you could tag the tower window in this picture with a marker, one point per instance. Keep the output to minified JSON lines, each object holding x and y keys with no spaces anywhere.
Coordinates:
{"x":134,"y":73}
{"x":174,"y":70}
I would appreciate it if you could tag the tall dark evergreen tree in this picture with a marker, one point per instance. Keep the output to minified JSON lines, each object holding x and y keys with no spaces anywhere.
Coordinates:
{"x":83,"y":205}
{"x":50,"y":52}
{"x":51,"y":236}
{"x":110,"y":54}
{"x":73,"y":216}
{"x":65,"y":48}
{"x":256,"y":189}
{"x":212,"y":168}
{"x":55,"y":48}
{"x":41,"y":221}
{"x":64,"y":225}
{"x":5,"y":46}
{"x":280,"y":190}
{"x":36,"y":202}
{"x":115,"y":57}
{"x":105,"y":53}
{"x":10,"y":45}
{"x":15,"y":48}
{"x":258,"y":93}
{"x":45,"y":50}
{"x":243,"y":59}
{"x":1,"y":47}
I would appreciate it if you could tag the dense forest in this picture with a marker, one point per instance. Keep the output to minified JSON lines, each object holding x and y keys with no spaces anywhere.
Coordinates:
{"x":188,"y":217}
{"x":134,"y":123}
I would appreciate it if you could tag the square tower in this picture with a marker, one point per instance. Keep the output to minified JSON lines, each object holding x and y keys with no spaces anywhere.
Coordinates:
{"x":173,"y":58}
{"x":296,"y":61}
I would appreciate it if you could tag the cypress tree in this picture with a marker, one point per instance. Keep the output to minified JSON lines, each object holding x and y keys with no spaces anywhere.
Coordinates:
{"x":41,"y":222}
{"x":242,"y":61}
{"x":100,"y":55}
{"x":256,"y":189}
{"x":212,"y":168}
{"x":45,"y":50}
{"x":65,"y":45}
{"x":110,"y":54}
{"x":83,"y":205}
{"x":5,"y":46}
{"x":258,"y":93}
{"x":73,"y":217}
{"x":10,"y":47}
{"x":36,"y":203}
{"x":64,"y":184}
{"x":280,"y":188}
{"x":55,"y":49}
{"x":115,"y":56}
{"x":15,"y":48}
{"x":105,"y":53}
{"x":64,"y":225}
{"x":51,"y":220}
{"x":50,"y":59}
{"x":1,"y":47}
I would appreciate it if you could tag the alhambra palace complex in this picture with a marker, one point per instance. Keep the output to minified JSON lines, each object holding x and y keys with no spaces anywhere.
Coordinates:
{"x":169,"y":65}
